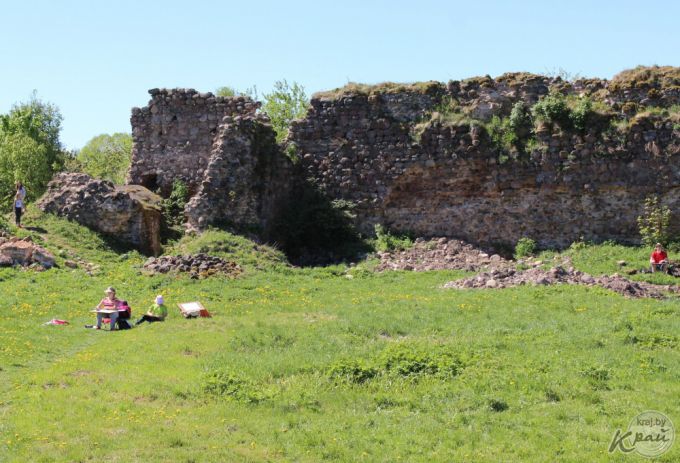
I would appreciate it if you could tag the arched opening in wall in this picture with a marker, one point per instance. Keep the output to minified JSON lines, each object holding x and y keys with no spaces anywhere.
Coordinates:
{"x":150,"y":181}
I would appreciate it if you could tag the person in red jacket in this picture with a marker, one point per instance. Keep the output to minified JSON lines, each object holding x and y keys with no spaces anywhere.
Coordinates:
{"x":658,"y":261}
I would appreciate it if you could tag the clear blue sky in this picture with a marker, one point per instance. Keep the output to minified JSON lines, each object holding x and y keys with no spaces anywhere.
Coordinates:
{"x":95,"y":60}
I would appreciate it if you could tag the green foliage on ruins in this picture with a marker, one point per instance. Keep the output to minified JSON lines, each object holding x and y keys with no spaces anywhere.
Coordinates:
{"x":30,"y":150}
{"x":332,"y":363}
{"x":283,"y":105}
{"x":654,"y":223}
{"x":106,"y":156}
{"x":525,"y":247}
{"x":387,"y":241}
{"x":172,"y":207}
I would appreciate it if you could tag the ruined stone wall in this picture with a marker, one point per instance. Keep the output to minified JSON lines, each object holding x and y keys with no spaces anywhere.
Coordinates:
{"x":420,"y":158}
{"x":247,"y":180}
{"x":173,"y":136}
{"x":385,"y":149}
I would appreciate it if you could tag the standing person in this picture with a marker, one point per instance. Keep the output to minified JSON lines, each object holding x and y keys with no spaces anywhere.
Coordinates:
{"x":156,"y":313}
{"x":658,"y":261}
{"x":18,"y":208}
{"x":110,"y":302}
{"x":19,"y":198}
{"x":20,"y":188}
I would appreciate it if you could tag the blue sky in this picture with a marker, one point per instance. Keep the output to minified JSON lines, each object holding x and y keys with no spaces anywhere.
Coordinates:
{"x":96,"y":60}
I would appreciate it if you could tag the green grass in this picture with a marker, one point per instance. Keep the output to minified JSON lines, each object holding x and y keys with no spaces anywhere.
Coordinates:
{"x":601,"y":259}
{"x":310,"y":365}
{"x":250,"y":255}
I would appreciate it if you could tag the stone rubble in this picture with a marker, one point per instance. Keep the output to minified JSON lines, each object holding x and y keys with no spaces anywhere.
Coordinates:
{"x":196,"y":265}
{"x":23,"y":252}
{"x":506,"y":278}
{"x":441,"y":254}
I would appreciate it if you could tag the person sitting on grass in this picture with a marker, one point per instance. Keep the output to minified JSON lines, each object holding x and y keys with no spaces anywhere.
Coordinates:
{"x":658,"y":261}
{"x":156,"y":313}
{"x":110,"y":302}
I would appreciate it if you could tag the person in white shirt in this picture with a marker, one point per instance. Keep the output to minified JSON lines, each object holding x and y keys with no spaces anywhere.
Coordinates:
{"x":19,"y":198}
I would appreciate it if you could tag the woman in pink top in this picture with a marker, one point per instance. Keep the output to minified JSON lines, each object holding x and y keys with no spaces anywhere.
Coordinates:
{"x":110,"y":302}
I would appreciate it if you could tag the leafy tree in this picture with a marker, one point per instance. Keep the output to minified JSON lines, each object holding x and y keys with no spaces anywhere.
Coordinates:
{"x":654,"y":222}
{"x":30,"y":150}
{"x":107,"y":156}
{"x":286,"y":103}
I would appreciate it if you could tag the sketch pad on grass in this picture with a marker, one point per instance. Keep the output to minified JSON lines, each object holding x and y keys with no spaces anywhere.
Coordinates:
{"x":193,"y":309}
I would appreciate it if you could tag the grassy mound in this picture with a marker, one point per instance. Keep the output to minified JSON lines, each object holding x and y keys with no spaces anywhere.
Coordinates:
{"x":235,"y":248}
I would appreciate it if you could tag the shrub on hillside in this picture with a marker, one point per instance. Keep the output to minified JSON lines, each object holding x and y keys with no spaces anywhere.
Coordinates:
{"x":386,"y":241}
{"x":525,"y":247}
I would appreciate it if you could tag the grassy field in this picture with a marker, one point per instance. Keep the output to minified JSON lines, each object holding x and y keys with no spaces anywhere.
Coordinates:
{"x":326,"y":364}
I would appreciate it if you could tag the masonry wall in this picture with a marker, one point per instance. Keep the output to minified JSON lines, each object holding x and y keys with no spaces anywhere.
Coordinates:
{"x":448,"y":179}
{"x":392,"y":151}
{"x":173,"y":136}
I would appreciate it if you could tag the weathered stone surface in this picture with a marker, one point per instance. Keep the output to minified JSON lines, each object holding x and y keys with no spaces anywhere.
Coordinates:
{"x":384,"y":149}
{"x":129,"y":213}
{"x":173,"y":136}
{"x":247,"y":181}
{"x":451,"y":181}
{"x":24,"y":252}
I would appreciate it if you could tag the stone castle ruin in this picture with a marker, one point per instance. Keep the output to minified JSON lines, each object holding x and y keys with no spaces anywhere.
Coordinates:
{"x":224,"y":152}
{"x":423,"y":158}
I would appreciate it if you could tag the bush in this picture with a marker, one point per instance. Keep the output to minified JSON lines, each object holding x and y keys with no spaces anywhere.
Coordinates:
{"x":552,"y":108}
{"x":581,"y":113}
{"x":409,"y":361}
{"x":173,"y":206}
{"x":227,"y":385}
{"x":525,"y":247}
{"x":520,"y":119}
{"x":654,"y":222}
{"x":385,"y":241}
{"x":351,"y":371}
{"x":502,"y":135}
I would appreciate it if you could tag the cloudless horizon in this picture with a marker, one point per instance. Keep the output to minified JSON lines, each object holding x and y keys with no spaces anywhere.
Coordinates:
{"x":96,"y":61}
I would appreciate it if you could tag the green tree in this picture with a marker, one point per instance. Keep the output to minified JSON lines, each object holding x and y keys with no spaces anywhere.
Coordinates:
{"x":30,"y":150}
{"x":284,"y":104}
{"x":654,"y":222}
{"x":107,"y":156}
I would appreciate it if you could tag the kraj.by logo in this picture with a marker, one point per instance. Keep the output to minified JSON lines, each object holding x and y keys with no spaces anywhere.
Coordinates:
{"x":650,"y":434}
